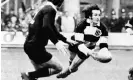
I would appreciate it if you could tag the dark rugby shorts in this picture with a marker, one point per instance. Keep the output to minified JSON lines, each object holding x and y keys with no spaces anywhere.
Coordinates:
{"x":38,"y":54}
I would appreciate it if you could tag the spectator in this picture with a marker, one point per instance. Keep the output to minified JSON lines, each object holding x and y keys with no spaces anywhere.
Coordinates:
{"x":68,"y":23}
{"x":113,"y":23}
{"x":24,"y":19}
{"x":2,"y":25}
{"x":8,"y":16}
{"x":12,"y":28}
{"x":130,"y":15}
{"x":20,"y":14}
{"x":131,"y":21}
{"x":13,"y":24}
{"x":129,"y":26}
{"x":2,"y":19}
{"x":105,"y":20}
{"x":121,"y":22}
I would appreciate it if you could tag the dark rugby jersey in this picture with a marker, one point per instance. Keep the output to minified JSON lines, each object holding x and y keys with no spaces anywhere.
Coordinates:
{"x":42,"y":28}
{"x":131,"y":21}
{"x":89,"y":37}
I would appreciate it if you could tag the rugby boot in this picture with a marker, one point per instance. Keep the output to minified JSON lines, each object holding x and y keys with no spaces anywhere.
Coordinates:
{"x":64,"y":73}
{"x":26,"y":77}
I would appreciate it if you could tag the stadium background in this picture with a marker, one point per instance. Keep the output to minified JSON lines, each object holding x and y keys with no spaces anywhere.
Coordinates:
{"x":106,"y":5}
{"x":14,"y":60}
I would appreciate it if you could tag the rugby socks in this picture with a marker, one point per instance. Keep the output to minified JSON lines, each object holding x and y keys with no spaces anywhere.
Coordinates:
{"x":42,"y":72}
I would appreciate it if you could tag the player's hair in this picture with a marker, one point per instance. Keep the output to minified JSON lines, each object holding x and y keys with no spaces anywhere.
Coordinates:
{"x":88,"y":10}
{"x":57,"y":2}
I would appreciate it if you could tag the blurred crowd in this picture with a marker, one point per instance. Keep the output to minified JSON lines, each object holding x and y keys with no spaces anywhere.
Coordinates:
{"x":117,"y":24}
{"x":64,"y":22}
{"x":13,"y":23}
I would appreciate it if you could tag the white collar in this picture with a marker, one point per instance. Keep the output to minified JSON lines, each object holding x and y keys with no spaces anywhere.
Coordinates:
{"x":49,"y":3}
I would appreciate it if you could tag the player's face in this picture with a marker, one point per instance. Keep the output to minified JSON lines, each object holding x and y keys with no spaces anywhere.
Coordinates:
{"x":96,"y":14}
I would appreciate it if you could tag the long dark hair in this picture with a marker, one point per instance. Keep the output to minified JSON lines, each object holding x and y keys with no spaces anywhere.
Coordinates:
{"x":88,"y":10}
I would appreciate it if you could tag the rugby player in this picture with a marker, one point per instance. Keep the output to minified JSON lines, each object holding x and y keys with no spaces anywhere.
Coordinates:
{"x":88,"y":33}
{"x":42,"y":29}
{"x":129,"y":29}
{"x":129,"y":26}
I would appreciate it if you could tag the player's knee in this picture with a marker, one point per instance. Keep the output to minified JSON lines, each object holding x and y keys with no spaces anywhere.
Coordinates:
{"x":82,"y":56}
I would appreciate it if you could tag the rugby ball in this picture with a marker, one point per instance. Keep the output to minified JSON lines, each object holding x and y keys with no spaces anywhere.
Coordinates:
{"x":103,"y":55}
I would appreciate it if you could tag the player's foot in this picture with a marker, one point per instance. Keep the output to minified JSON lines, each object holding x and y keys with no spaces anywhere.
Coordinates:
{"x":64,"y":74}
{"x":26,"y":77}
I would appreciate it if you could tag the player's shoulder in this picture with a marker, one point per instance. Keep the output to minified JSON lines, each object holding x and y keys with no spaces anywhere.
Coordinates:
{"x":131,"y":21}
{"x":47,"y":8}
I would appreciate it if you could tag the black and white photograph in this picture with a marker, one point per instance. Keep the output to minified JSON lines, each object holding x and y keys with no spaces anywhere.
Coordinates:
{"x":66,"y":39}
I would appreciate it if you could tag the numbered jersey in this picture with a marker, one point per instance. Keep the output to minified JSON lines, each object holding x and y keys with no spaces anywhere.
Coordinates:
{"x":91,"y":33}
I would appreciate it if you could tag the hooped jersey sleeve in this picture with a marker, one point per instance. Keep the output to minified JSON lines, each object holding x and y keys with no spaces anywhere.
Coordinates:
{"x":91,"y":33}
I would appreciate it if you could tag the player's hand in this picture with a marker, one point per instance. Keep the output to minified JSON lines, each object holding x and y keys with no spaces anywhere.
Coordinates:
{"x":61,"y":48}
{"x":70,"y":41}
{"x":104,"y":55}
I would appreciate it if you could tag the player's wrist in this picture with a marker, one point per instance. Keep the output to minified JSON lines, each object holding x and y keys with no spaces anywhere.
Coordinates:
{"x":58,"y":43}
{"x":79,"y":36}
{"x":103,"y":45}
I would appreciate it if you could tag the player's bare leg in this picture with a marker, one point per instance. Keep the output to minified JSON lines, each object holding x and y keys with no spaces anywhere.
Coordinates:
{"x":81,"y":56}
{"x":46,"y":69}
{"x":72,"y":68}
{"x":72,"y":56}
